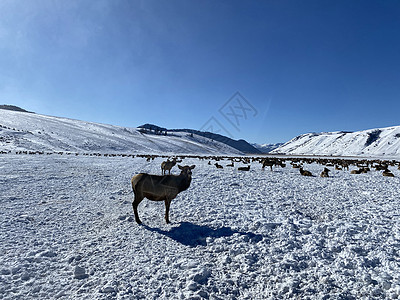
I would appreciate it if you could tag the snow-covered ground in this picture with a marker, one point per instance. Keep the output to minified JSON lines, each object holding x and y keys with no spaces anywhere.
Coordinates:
{"x":67,"y":232}
{"x":379,"y":142}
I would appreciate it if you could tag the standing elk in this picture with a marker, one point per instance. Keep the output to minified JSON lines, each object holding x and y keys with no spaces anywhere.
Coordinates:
{"x":325,"y":172}
{"x":267,"y":163}
{"x":167,"y":166}
{"x":160,"y":188}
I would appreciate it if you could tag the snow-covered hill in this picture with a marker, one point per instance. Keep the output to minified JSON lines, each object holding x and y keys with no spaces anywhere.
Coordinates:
{"x":380,"y":142}
{"x":21,"y":131}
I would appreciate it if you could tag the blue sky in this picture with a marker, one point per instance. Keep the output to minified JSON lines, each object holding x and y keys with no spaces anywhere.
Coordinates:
{"x":301,"y":66}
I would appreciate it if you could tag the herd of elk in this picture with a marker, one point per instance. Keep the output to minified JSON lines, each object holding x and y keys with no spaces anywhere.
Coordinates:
{"x":167,"y":187}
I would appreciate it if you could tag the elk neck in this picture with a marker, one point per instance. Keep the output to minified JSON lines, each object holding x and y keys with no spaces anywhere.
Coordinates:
{"x":184,"y":182}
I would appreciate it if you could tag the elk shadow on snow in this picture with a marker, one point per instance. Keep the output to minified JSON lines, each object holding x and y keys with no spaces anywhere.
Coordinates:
{"x":192,"y":235}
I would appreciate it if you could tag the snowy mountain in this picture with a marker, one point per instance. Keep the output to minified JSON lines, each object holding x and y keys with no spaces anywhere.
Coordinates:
{"x":240,"y":145}
{"x":21,"y":131}
{"x":266,"y":148}
{"x":373,"y":142}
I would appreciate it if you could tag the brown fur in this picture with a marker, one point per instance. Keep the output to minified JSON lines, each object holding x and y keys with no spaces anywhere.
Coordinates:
{"x":267,"y":163}
{"x":244,"y":168}
{"x":387,"y":173}
{"x":160,"y":188}
{"x":356,"y":171}
{"x":167,"y":166}
{"x":325,"y":172}
{"x":305,"y":173}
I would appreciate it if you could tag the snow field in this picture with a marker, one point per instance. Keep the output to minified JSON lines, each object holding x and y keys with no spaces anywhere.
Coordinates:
{"x":67,"y":231}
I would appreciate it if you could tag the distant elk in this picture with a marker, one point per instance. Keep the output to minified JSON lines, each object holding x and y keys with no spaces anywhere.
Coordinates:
{"x":218,"y":166}
{"x":305,"y":173}
{"x":325,"y":172}
{"x":387,"y":173}
{"x":244,"y":168}
{"x":381,"y":167}
{"x":160,"y":188}
{"x":272,"y":162}
{"x":167,"y":166}
{"x":360,"y":170}
{"x":267,"y":163}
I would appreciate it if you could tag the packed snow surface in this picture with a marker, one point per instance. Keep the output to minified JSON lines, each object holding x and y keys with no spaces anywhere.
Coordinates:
{"x":380,"y":142}
{"x":67,"y":232}
{"x":20,"y":131}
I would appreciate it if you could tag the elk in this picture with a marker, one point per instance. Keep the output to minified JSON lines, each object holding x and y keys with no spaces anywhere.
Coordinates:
{"x":218,"y":166}
{"x":160,"y":188}
{"x":167,"y":166}
{"x":381,"y":167}
{"x":305,"y":173}
{"x":244,"y":168}
{"x":387,"y":173}
{"x":267,"y":163}
{"x":356,"y":172}
{"x":325,"y":172}
{"x":359,"y":171}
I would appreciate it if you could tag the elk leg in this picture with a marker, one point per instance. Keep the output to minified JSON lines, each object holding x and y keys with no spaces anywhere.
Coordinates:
{"x":167,"y":205}
{"x":135,"y":205}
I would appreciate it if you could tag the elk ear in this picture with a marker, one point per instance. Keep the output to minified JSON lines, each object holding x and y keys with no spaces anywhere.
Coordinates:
{"x":180,"y":167}
{"x":192,"y":167}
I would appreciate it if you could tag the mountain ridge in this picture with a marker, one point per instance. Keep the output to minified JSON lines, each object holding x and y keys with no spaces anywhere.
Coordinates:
{"x":266,"y":148}
{"x":241,"y":145}
{"x":14,"y":108}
